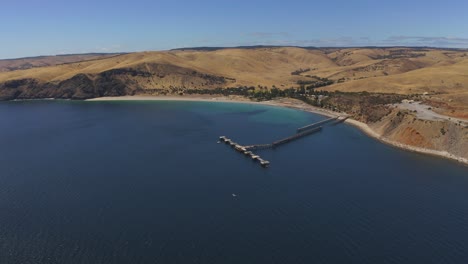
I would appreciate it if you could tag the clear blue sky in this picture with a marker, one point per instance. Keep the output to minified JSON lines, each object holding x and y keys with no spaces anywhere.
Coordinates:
{"x":40,"y":27}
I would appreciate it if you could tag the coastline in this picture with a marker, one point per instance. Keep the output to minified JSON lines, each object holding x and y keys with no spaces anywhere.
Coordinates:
{"x":371,"y":133}
{"x":286,"y":102}
{"x":294,"y":104}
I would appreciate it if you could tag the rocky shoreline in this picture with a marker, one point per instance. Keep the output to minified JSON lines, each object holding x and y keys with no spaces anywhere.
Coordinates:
{"x":370,"y":132}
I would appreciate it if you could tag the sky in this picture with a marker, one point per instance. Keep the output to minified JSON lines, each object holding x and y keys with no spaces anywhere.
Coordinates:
{"x":50,"y":27}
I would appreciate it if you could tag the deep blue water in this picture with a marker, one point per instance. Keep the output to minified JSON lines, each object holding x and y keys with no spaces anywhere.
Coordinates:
{"x":145,"y":182}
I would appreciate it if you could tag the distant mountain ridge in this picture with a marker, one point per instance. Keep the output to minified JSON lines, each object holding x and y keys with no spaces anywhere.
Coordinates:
{"x":209,"y":48}
{"x":49,"y":60}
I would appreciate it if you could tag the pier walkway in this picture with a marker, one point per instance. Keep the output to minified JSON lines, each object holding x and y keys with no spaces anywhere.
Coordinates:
{"x":340,"y":119}
{"x":296,"y":136}
{"x":314,"y":125}
{"x":301,"y":132}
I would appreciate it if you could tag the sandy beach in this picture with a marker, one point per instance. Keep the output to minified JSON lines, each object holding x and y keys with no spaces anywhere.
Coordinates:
{"x":283,"y":102}
{"x":289,"y":103}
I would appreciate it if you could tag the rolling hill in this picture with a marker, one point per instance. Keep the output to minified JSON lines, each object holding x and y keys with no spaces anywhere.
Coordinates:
{"x":442,"y":73}
{"x":43,"y":61}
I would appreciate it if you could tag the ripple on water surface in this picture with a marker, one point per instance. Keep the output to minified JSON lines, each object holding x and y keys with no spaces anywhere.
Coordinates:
{"x":145,"y":182}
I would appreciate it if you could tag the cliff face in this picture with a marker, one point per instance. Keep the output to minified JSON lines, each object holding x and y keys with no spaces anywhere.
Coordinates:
{"x":404,"y":127}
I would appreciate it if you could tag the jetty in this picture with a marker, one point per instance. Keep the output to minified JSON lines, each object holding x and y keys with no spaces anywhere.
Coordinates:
{"x":315,"y":125}
{"x":296,"y":136}
{"x":300,"y":133}
{"x":339,"y":120}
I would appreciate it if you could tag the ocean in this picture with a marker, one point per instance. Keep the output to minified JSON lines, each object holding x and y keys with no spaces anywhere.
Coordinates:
{"x":147,"y":182}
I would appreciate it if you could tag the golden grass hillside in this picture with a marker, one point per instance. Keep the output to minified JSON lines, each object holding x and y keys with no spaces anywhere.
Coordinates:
{"x":249,"y":67}
{"x":43,"y":61}
{"x":441,"y":73}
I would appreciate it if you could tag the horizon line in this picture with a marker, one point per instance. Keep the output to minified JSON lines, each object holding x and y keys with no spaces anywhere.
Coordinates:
{"x":214,"y":48}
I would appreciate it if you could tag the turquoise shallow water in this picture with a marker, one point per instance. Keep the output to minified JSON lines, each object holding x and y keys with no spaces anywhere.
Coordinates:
{"x":145,"y":182}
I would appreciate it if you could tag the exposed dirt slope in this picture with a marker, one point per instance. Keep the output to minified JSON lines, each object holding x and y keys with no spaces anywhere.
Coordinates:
{"x":404,"y":127}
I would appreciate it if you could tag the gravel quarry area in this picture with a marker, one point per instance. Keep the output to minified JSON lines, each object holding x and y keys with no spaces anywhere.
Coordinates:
{"x":425,"y":112}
